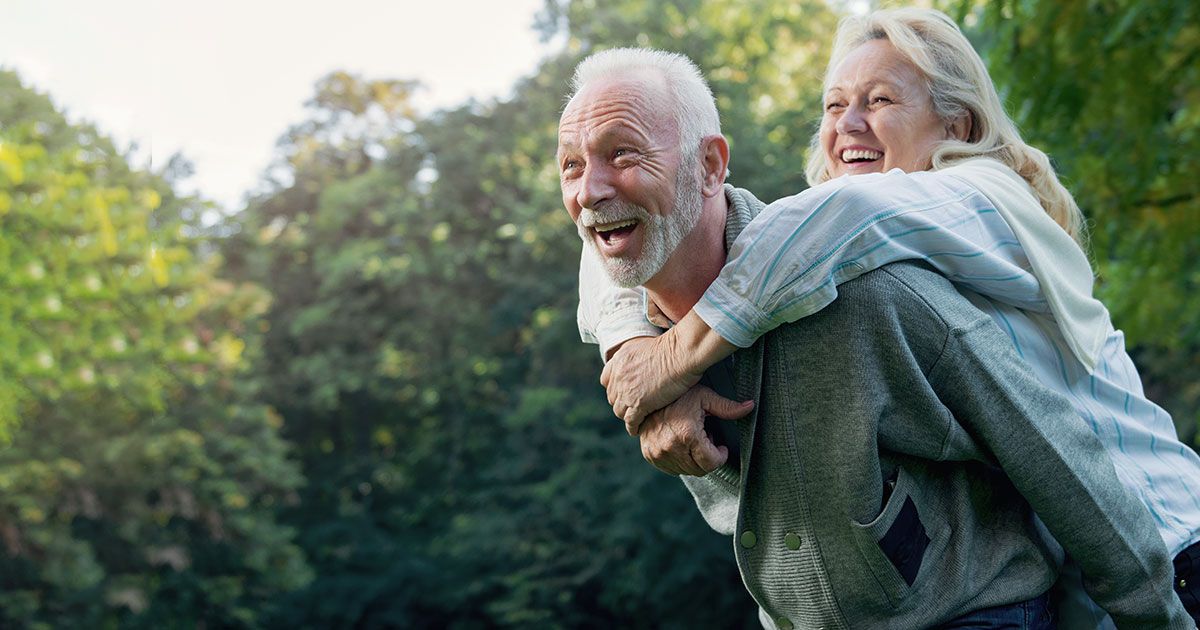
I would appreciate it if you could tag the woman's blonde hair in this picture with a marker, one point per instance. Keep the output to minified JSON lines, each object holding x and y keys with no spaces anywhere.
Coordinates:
{"x":959,"y":85}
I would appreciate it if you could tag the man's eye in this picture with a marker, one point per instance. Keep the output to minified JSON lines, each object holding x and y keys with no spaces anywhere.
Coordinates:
{"x":571,"y":168}
{"x":622,"y":152}
{"x":880,"y":99}
{"x":834,"y":107}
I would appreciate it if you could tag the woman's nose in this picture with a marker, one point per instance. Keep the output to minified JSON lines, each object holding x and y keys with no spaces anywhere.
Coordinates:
{"x":853,"y":120}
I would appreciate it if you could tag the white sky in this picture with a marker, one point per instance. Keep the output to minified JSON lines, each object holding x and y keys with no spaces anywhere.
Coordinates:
{"x":221,"y":80}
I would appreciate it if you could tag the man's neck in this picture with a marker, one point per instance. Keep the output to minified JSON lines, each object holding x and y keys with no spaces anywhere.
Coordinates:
{"x":696,"y":263}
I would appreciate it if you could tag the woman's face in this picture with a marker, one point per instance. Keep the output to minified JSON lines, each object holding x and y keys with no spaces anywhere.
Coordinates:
{"x":878,"y":114}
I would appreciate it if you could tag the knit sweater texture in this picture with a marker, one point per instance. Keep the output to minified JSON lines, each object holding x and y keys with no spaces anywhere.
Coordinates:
{"x":898,"y":452}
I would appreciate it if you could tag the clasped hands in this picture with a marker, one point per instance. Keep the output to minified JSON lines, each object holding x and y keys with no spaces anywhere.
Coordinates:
{"x":641,"y":377}
{"x":653,"y":390}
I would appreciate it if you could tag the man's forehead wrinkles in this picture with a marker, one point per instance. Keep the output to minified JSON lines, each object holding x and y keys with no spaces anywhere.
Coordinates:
{"x":601,"y":111}
{"x":621,"y":123}
{"x":607,"y":112}
{"x":567,"y":131}
{"x":614,"y":124}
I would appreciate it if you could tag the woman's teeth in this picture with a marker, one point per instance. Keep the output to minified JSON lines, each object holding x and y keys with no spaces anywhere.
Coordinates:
{"x":853,"y":155}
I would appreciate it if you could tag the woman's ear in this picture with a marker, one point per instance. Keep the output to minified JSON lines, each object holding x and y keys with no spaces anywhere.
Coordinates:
{"x":714,"y":160}
{"x":960,"y":128}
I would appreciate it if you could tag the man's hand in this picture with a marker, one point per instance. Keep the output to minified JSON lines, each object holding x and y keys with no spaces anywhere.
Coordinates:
{"x":638,"y":380}
{"x":674,"y":441}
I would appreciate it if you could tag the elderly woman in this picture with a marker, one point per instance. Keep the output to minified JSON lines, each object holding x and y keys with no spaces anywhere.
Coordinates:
{"x":909,"y":106}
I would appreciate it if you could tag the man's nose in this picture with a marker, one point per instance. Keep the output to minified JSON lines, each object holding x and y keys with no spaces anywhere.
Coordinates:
{"x":595,"y":186}
{"x":853,"y":120}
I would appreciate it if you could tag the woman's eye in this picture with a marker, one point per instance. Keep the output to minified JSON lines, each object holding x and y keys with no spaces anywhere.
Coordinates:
{"x":833,"y":107}
{"x":881,"y":99}
{"x":621,"y":152}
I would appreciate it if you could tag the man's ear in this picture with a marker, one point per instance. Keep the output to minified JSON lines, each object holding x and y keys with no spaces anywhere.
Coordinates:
{"x":714,"y":162}
{"x":960,"y":128}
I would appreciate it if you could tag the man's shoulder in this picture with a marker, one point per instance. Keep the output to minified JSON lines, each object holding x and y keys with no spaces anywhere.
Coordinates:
{"x":909,"y":288}
{"x":894,"y":320}
{"x":904,"y":297}
{"x":888,"y":325}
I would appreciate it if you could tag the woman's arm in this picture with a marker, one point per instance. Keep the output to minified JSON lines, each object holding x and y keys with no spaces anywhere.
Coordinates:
{"x":788,"y":261}
{"x":615,"y":318}
{"x":648,"y":374}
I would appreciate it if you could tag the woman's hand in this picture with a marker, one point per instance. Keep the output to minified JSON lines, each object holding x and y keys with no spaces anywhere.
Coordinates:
{"x":639,"y":381}
{"x":646,"y":374}
{"x":674,"y":441}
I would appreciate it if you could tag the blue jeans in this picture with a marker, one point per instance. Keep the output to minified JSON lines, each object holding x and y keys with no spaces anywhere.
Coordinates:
{"x":1029,"y":615}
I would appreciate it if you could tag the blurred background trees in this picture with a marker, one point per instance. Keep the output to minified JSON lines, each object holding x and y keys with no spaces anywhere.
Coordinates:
{"x":361,"y":401}
{"x":141,"y":475}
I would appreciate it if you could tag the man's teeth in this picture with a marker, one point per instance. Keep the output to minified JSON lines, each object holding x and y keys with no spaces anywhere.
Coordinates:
{"x":860,"y":154}
{"x":608,"y":227}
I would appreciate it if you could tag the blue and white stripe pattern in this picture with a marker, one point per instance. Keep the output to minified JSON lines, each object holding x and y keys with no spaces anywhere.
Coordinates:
{"x":789,"y":260}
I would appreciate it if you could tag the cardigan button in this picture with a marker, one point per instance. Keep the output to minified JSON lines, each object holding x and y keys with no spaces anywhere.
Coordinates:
{"x":748,"y":539}
{"x":792,"y":540}
{"x":783,"y":623}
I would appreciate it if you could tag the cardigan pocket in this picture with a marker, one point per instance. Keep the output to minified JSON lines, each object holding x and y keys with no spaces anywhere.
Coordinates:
{"x":894,"y":543}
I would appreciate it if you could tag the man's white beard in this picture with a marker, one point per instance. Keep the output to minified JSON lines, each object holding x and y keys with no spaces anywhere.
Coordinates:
{"x":662,"y":234}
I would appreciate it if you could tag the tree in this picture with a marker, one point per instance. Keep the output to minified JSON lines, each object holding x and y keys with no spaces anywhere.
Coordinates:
{"x":140,"y":480}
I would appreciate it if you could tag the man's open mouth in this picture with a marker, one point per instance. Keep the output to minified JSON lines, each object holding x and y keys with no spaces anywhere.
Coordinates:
{"x":615,"y":231}
{"x":860,"y":156}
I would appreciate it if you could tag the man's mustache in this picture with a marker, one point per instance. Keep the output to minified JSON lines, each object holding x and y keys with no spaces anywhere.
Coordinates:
{"x":611,"y":214}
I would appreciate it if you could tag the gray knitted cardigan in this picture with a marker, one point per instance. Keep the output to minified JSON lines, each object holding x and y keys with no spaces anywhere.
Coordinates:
{"x":901,"y":384}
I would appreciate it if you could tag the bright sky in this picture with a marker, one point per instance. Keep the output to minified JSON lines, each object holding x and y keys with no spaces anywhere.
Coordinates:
{"x":221,"y":80}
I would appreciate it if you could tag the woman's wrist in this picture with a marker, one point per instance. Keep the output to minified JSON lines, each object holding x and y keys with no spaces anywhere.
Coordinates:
{"x":691,"y":347}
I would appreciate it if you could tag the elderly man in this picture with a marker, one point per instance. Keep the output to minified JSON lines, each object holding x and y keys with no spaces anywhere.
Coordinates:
{"x":888,"y":476}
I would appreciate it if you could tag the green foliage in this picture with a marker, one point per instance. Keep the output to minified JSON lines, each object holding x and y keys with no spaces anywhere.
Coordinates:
{"x":139,"y":479}
{"x":1111,"y":90}
{"x":396,"y":314}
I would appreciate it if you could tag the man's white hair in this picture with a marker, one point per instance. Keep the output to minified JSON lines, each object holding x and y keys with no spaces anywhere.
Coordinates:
{"x":694,"y":108}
